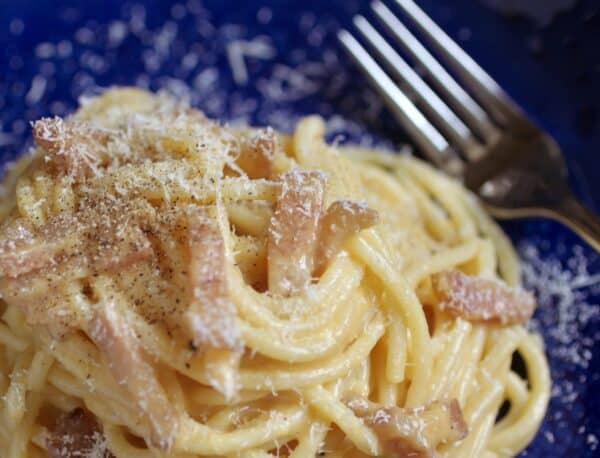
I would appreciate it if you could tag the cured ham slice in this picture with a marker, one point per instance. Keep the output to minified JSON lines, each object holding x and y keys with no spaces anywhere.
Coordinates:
{"x":72,"y":146}
{"x":293,"y":231}
{"x":342,"y":219}
{"x":416,"y":432}
{"x":115,"y":338}
{"x":77,"y":434}
{"x":481,"y":299}
{"x":211,"y":316}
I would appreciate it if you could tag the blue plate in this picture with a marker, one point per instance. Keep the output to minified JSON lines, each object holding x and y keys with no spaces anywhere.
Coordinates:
{"x":270,"y":62}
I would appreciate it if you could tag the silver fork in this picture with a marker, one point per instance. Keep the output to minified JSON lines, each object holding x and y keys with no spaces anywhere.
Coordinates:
{"x":516,"y":168}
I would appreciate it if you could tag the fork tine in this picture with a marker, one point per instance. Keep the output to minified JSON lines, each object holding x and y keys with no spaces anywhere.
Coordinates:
{"x":492,"y":96}
{"x":468,"y":108}
{"x":433,"y":144}
{"x":435,"y":108}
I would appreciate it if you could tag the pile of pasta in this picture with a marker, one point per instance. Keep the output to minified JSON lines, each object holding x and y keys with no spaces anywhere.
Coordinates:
{"x":172,"y":287}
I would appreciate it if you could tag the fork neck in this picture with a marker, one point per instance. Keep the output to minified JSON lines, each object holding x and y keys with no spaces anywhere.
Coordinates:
{"x":583,"y":221}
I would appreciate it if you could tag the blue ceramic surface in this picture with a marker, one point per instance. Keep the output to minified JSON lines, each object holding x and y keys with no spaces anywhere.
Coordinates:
{"x":52,"y":52}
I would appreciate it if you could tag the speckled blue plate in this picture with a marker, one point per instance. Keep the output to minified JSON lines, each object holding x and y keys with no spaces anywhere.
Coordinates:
{"x":269,"y":62}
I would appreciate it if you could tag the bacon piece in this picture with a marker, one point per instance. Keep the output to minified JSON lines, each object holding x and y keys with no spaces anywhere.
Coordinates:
{"x":113,"y":234}
{"x":111,"y":244}
{"x":211,"y":315}
{"x":72,"y":146}
{"x":342,"y":219}
{"x":293,"y":231}
{"x":414,"y":432}
{"x":16,"y":260}
{"x":21,"y":260}
{"x":257,"y":150}
{"x":127,"y":248}
{"x":77,"y":434}
{"x":481,"y":299}
{"x":21,"y":251}
{"x":40,"y":294}
{"x":109,"y":330}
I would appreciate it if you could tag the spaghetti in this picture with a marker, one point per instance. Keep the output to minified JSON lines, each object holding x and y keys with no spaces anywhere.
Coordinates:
{"x":171,"y":287}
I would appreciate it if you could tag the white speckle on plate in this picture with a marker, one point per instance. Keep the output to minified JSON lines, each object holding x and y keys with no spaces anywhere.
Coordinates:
{"x":36,"y":90}
{"x":45,"y":50}
{"x":16,"y":26}
{"x":264,"y":15}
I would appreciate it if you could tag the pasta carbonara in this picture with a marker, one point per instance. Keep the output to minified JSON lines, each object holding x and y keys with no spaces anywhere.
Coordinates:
{"x":171,"y":287}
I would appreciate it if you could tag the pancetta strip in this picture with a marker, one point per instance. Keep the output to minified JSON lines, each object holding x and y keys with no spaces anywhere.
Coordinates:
{"x":342,"y":219}
{"x":77,"y":434}
{"x":113,"y":234}
{"x":24,"y":259}
{"x":100,"y":242}
{"x":414,"y":433}
{"x":480,"y":299}
{"x":293,"y":231}
{"x":72,"y":146}
{"x":211,"y":316}
{"x":128,"y":247}
{"x":110,"y":332}
{"x":257,"y":150}
{"x":21,"y":251}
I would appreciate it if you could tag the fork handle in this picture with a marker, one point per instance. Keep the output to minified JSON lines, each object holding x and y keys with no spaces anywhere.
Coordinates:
{"x":584,"y":222}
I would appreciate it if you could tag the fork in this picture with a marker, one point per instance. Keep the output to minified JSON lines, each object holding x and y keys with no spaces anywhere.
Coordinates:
{"x":485,"y":140}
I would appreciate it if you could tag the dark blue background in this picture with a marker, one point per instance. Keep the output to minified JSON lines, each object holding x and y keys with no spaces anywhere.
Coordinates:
{"x":551,"y":71}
